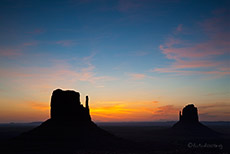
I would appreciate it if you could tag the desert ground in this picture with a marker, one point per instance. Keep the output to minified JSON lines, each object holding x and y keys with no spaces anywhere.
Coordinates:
{"x":152,"y":137}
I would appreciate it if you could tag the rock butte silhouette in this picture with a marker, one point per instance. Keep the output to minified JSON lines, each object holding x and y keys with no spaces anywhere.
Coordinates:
{"x":66,"y":106}
{"x":70,"y":126}
{"x":189,"y":124}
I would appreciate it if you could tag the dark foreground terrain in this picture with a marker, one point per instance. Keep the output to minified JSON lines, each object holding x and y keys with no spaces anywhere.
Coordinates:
{"x":145,"y":137}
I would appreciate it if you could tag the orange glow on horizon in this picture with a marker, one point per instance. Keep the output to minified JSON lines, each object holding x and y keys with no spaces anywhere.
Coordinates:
{"x":108,"y":111}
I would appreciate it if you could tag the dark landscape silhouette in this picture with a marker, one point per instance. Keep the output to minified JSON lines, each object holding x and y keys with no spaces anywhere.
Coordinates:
{"x":71,"y":130}
{"x":70,"y":127}
{"x":189,"y":124}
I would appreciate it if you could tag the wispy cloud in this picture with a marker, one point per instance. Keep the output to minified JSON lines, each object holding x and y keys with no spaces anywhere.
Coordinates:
{"x":179,"y":29}
{"x":214,"y":111}
{"x":169,"y":112}
{"x":59,"y":73}
{"x":66,"y":43}
{"x":18,"y":50}
{"x":137,"y":76}
{"x":10,"y":52}
{"x":209,"y":56}
{"x":215,"y":106}
{"x":36,"y":31}
{"x":33,"y":43}
{"x":128,"y":5}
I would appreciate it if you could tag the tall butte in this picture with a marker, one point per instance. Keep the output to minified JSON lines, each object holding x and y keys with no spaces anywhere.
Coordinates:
{"x":189,"y":123}
{"x":66,"y":105}
{"x":70,"y":125}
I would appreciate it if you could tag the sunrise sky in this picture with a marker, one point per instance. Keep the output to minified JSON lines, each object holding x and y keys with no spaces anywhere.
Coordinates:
{"x":138,"y":60}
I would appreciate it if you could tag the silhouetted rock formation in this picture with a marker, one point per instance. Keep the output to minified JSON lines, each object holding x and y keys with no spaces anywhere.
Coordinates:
{"x":189,"y":123}
{"x":70,"y":126}
{"x":66,"y":105}
{"x":189,"y":114}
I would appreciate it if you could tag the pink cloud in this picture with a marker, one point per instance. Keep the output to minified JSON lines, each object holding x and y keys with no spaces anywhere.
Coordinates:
{"x":187,"y":72}
{"x":169,"y":112}
{"x":203,"y":57}
{"x":36,"y":31}
{"x":179,"y":64}
{"x":61,"y":73}
{"x":16,"y":51}
{"x":215,"y":111}
{"x":137,"y":76}
{"x":30,"y":43}
{"x":66,"y":43}
{"x":20,"y":73}
{"x":128,"y":5}
{"x":178,"y":29}
{"x":199,"y":50}
{"x":10,"y":52}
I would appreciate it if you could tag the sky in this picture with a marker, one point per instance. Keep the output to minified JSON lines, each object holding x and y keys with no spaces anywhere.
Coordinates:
{"x":137,"y":60}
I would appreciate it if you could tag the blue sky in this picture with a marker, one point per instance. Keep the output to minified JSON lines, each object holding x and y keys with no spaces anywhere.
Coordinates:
{"x":124,"y":54}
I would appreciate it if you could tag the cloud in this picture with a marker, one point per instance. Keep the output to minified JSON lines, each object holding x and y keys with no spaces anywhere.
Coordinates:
{"x":215,"y":106}
{"x":36,"y":31}
{"x":179,"y":29}
{"x":209,"y":56}
{"x":30,"y":43}
{"x":137,"y":76}
{"x":58,"y":74}
{"x":10,"y":52}
{"x":166,"y":110}
{"x":180,"y":64}
{"x":128,"y":5}
{"x":66,"y":43}
{"x":214,"y":116}
{"x":199,"y":50}
{"x":16,"y":51}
